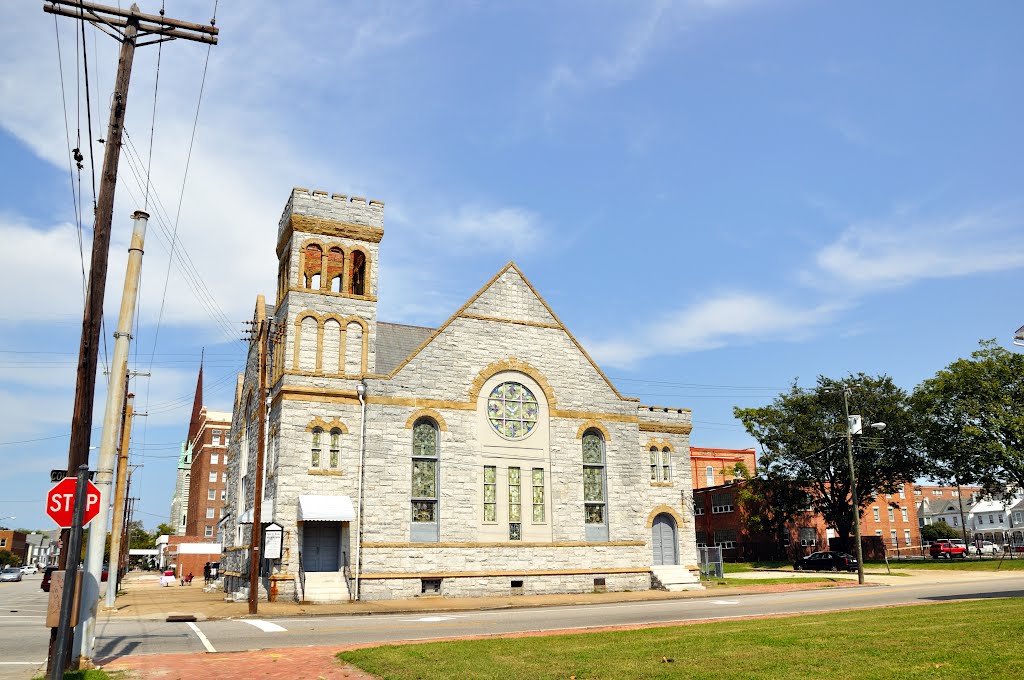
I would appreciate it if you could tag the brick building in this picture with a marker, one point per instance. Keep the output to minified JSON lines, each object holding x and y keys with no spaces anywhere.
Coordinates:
{"x":15,"y":542}
{"x":207,"y":441}
{"x":712,"y":467}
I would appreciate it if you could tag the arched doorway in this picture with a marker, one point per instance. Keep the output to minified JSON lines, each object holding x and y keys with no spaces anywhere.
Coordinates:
{"x":664,"y":541}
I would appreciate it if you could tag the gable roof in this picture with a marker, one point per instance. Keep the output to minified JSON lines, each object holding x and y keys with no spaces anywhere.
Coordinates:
{"x":532,"y":310}
{"x":397,"y":341}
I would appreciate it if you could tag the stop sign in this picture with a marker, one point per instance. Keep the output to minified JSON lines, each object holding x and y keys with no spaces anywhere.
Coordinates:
{"x":60,"y":502}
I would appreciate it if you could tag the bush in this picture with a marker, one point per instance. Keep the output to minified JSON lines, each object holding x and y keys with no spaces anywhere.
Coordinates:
{"x":932,"y":532}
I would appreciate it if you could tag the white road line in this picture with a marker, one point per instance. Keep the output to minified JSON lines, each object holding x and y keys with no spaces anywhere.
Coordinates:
{"x":202,"y":638}
{"x":265,"y":626}
{"x":22,"y":663}
{"x":432,"y":619}
{"x":724,"y":602}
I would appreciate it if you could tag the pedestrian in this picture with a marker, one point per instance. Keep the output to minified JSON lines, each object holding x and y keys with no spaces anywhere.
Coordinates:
{"x":206,"y":573}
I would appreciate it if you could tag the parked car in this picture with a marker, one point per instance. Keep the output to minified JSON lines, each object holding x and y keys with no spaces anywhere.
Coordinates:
{"x":10,"y":574}
{"x":827,"y":561}
{"x":987,"y":548}
{"x":44,"y":585}
{"x":948,"y":548}
{"x":29,"y":569}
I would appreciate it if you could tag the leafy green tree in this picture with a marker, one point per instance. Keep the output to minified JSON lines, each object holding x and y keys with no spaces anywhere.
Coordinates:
{"x":937,"y":530}
{"x":163,"y":529}
{"x":771,"y":500}
{"x":803,"y":432}
{"x":971,"y":419}
{"x":6,"y":557}
{"x":138,"y":537}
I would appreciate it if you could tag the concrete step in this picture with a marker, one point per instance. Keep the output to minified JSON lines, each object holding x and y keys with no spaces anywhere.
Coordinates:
{"x":325,"y":586}
{"x":674,"y":577}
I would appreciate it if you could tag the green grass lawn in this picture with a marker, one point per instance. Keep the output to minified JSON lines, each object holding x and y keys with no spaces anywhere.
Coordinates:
{"x":92,"y":674}
{"x":959,"y":640}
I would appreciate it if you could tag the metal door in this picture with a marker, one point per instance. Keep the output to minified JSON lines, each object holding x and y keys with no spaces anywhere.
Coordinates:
{"x":321,"y":546}
{"x":663,"y":540}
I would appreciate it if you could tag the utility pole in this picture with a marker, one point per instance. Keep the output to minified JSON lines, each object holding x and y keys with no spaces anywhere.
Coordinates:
{"x":853,"y":486}
{"x":108,"y":438}
{"x":127,"y":26}
{"x":117,"y":526}
{"x":261,"y":336}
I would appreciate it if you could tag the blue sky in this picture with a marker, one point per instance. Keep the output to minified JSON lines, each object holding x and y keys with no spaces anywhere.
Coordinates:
{"x":716,"y":197}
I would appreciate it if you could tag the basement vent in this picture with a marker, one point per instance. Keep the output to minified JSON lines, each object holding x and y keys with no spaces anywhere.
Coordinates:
{"x":517,"y":587}
{"x":430,"y":586}
{"x":600,"y":586}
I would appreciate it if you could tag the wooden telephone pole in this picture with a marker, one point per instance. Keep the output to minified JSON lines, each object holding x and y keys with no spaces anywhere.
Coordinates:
{"x":128,"y":27}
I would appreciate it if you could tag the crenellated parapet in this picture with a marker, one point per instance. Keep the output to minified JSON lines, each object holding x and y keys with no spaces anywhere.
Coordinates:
{"x":665,"y":419}
{"x":332,"y":215}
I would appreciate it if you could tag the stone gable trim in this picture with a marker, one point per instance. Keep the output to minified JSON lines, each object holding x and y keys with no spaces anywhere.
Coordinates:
{"x":524,"y":572}
{"x":325,"y":227}
{"x":595,"y":425}
{"x":666,"y":509}
{"x":461,"y":310}
{"x":504,"y":544}
{"x":512,"y":364}
{"x":538,"y":324}
{"x":427,"y":413}
{"x":666,"y":428}
{"x":325,"y":426}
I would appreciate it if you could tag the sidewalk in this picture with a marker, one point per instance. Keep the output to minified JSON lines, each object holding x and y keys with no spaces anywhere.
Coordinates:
{"x":144,"y":599}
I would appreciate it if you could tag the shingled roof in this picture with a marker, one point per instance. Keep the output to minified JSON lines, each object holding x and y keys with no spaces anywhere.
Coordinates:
{"x":395,"y":342}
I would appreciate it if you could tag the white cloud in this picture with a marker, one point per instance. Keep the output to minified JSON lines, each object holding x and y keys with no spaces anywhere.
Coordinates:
{"x":906,"y":248}
{"x":729,"y":318}
{"x":510,"y":230}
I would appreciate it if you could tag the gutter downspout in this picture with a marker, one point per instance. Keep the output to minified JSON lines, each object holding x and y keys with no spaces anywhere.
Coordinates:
{"x":361,"y":393}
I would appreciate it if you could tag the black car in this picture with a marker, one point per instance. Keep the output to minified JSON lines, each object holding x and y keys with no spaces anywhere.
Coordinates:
{"x":826,"y":561}
{"x":47,"y":574}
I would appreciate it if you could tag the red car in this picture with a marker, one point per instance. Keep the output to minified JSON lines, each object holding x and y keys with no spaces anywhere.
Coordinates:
{"x":948,"y":548}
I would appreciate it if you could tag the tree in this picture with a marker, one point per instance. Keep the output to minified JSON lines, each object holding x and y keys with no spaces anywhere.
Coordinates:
{"x":8,"y":558}
{"x":971,"y":419}
{"x":937,"y":530}
{"x":770,"y":501}
{"x":163,"y":529}
{"x":804,"y":433}
{"x":138,"y":537}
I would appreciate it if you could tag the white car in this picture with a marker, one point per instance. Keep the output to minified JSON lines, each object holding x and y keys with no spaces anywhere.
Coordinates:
{"x":29,"y":569}
{"x":987,"y":548}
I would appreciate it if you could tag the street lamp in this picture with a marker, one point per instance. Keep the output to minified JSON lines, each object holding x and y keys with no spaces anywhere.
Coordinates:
{"x":850,"y":422}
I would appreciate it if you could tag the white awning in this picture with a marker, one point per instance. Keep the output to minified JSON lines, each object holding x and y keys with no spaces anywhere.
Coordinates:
{"x":326,"y":509}
{"x":245,"y":517}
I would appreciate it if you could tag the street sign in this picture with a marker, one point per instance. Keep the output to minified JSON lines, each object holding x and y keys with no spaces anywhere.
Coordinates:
{"x":57,"y":475}
{"x":60,"y":502}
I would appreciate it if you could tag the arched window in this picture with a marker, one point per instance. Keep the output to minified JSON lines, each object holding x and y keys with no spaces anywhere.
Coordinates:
{"x":315,"y":448}
{"x":313,"y":267}
{"x":654,"y":463}
{"x":595,"y":487}
{"x":425,"y":494}
{"x":358,"y":284}
{"x":335,"y":269}
{"x":335,"y":456}
{"x":666,"y":464}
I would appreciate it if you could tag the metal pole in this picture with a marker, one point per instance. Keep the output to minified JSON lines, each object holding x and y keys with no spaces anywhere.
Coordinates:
{"x":262,"y":336}
{"x":361,"y":393}
{"x":117,"y":525}
{"x":853,"y":488}
{"x":108,"y":439}
{"x":74,"y":548}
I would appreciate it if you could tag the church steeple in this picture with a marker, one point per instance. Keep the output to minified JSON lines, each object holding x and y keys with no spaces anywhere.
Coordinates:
{"x":197,"y":404}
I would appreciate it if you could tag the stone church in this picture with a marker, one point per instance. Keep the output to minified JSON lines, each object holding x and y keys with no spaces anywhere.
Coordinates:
{"x":488,"y":456}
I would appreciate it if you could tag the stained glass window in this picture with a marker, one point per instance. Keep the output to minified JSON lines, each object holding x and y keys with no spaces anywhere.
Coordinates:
{"x":314,"y":449}
{"x":512,"y":410}
{"x":593,"y":478}
{"x":666,"y":459}
{"x":654,"y":463}
{"x":335,"y":448}
{"x":515,"y":497}
{"x":538,"y":495}
{"x":424,"y":471}
{"x":490,"y":493}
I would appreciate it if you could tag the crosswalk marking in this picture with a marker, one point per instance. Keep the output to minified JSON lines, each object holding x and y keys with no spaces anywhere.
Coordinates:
{"x":265,"y":626}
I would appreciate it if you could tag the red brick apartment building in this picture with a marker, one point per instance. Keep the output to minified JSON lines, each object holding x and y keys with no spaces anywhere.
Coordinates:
{"x":208,"y":438}
{"x":710,"y":465}
{"x":15,"y":542}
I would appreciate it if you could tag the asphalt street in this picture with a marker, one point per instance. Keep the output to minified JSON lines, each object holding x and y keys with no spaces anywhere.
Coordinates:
{"x":23,"y":635}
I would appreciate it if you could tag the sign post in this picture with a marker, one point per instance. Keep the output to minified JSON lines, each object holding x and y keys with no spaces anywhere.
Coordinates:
{"x":58,"y":505}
